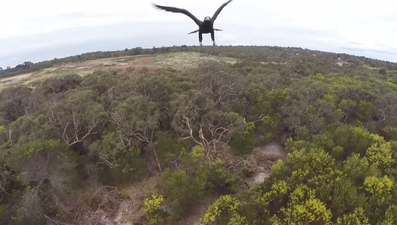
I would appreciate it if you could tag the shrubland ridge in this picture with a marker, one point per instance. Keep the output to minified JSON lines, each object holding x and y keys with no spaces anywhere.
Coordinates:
{"x":260,"y":53}
{"x":169,"y":141}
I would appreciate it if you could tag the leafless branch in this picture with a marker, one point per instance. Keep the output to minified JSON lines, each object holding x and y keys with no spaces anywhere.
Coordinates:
{"x":213,"y":144}
{"x":48,"y":218}
{"x":73,"y":129}
{"x":4,"y":190}
{"x":9,"y":136}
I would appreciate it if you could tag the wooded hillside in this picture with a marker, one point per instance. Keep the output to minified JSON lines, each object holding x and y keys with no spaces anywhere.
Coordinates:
{"x":177,"y":145}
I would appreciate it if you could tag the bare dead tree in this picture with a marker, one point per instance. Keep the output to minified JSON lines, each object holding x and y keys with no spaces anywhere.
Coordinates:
{"x":222,"y":90}
{"x":212,"y":136}
{"x":72,"y":124}
{"x":104,"y":201}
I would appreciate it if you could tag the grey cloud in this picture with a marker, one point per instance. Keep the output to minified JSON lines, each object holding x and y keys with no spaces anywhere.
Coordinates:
{"x":243,"y":24}
{"x":95,"y":38}
{"x":388,"y":47}
{"x":371,"y":50}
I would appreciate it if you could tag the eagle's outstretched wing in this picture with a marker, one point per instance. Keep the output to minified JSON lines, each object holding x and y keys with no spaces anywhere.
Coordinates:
{"x":219,"y":10}
{"x":179,"y":10}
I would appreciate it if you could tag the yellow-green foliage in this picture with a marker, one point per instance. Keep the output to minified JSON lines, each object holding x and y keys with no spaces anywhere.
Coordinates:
{"x":197,"y":152}
{"x":356,"y":218}
{"x":304,"y":208}
{"x":343,"y":82}
{"x":37,"y":146}
{"x":391,"y":85}
{"x":319,"y":76}
{"x":379,"y":189}
{"x":152,"y":204}
{"x":360,"y":182}
{"x":278,"y":190}
{"x":312,"y":166}
{"x":390,"y":216}
{"x":2,"y":129}
{"x":278,"y":167}
{"x":272,"y":98}
{"x":223,"y":211}
{"x":329,"y":97}
{"x":380,"y":154}
{"x":250,"y":126}
{"x":271,"y":122}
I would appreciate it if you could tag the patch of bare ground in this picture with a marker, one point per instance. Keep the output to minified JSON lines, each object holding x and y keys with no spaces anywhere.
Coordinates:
{"x":13,"y":80}
{"x":185,"y":60}
{"x":113,"y":206}
{"x":266,"y":156}
{"x":131,"y":211}
{"x":200,"y":208}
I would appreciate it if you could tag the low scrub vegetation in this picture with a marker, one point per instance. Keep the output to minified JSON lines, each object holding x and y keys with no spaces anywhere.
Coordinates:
{"x":196,"y":130}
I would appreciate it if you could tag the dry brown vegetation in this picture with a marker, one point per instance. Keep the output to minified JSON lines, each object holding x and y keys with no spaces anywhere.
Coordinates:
{"x":177,"y":60}
{"x":107,"y":205}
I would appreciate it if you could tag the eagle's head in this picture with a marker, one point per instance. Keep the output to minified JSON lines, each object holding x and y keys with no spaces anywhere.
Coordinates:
{"x":207,"y":18}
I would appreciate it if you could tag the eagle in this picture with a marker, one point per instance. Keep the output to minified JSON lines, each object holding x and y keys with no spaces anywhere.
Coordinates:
{"x":205,"y":27}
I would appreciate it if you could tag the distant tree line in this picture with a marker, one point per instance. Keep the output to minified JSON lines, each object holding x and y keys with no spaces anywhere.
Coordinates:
{"x":264,"y":53}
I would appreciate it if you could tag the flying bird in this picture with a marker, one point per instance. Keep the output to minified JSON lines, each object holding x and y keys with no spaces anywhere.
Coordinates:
{"x":205,"y":27}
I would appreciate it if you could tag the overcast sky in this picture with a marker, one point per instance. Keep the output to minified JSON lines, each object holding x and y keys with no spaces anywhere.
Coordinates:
{"x":44,"y":29}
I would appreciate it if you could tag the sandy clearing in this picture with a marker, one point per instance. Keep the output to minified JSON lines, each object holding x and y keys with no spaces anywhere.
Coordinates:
{"x":176,"y":60}
{"x":270,"y":154}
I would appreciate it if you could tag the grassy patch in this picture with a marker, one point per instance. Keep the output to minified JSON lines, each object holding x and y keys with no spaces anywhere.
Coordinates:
{"x":176,"y":60}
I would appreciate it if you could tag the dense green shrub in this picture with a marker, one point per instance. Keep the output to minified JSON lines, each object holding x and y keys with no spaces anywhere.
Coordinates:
{"x":64,"y":138}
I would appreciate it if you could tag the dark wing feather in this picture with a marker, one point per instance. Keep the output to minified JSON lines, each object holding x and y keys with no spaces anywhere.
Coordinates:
{"x":219,"y":10}
{"x":179,"y":10}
